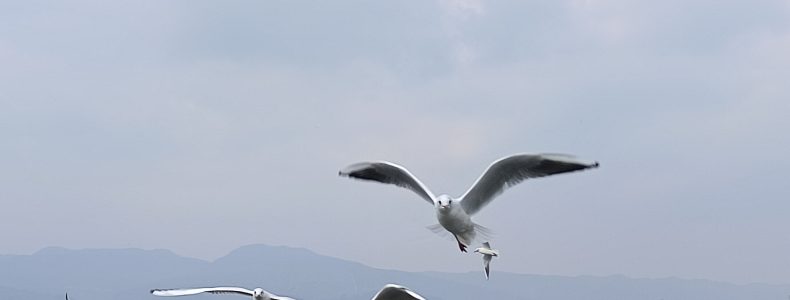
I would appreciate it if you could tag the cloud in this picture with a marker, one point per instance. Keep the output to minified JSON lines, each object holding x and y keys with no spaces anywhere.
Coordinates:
{"x":463,"y":8}
{"x":228,"y":109}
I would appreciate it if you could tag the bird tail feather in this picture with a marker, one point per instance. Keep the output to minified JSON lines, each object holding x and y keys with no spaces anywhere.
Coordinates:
{"x":483,"y":234}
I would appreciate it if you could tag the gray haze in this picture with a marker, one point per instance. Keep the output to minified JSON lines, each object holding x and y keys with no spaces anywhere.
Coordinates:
{"x":126,"y":274}
{"x":201,"y":126}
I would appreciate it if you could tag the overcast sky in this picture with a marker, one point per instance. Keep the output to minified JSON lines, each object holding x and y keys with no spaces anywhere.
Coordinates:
{"x":202,"y":126}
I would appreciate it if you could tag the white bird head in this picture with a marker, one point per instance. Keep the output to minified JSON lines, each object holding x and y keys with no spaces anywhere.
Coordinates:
{"x":257,"y":293}
{"x":444,"y":201}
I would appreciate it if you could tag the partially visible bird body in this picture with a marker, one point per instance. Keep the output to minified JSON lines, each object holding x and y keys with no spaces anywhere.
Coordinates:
{"x":256,"y":294}
{"x":454,"y":214}
{"x":388,"y":292}
{"x":396,"y":292}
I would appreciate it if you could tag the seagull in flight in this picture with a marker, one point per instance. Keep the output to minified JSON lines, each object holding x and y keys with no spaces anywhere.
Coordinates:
{"x":487,"y":253}
{"x":388,"y":292}
{"x":256,"y":294}
{"x":454,"y":214}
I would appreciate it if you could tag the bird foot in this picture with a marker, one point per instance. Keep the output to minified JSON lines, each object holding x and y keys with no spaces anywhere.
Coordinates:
{"x":462,"y":247}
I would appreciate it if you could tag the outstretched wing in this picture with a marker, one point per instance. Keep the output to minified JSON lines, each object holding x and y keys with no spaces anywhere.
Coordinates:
{"x":396,"y":292}
{"x":487,"y":263}
{"x":387,"y":172}
{"x":514,"y":169}
{"x":213,"y":290}
{"x":486,"y":245}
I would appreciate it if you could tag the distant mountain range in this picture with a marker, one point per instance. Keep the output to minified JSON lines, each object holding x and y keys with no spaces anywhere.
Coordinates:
{"x":121,"y":274}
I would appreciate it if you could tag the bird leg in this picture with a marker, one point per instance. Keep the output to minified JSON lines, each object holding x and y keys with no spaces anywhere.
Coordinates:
{"x":460,"y":245}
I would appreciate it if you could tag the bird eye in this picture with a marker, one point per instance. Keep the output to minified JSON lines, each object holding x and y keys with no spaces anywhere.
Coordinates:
{"x":449,"y":201}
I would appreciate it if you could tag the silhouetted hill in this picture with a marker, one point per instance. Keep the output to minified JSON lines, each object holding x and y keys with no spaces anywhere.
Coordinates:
{"x":122,"y":274}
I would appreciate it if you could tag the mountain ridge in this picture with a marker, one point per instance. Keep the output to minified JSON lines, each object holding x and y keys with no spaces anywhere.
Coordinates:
{"x":129,"y":273}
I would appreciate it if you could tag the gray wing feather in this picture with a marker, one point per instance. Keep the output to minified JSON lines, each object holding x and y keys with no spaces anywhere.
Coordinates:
{"x":487,"y":263}
{"x":514,"y":169}
{"x":387,"y":172}
{"x":212,"y":290}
